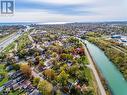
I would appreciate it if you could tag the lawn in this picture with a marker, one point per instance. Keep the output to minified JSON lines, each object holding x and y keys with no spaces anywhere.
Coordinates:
{"x":17,"y":92}
{"x":10,"y":47}
{"x":2,"y":71}
{"x":88,"y":75}
{"x":1,"y":68}
{"x":3,"y":81}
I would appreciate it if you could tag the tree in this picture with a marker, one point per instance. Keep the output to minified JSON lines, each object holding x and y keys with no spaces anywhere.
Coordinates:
{"x":2,"y":56}
{"x":26,"y":70}
{"x":75,"y":91}
{"x":58,"y":92}
{"x":16,"y":66}
{"x":22,"y":53}
{"x":30,"y":62}
{"x":49,"y":73}
{"x":37,"y":58}
{"x":73,"y":69}
{"x":49,"y":52}
{"x":62,"y":77}
{"x":54,"y":54}
{"x":41,"y":63}
{"x":36,"y":54}
{"x":36,"y":81}
{"x":53,"y":61}
{"x":45,"y":87}
{"x":64,"y":67}
{"x":66,"y":57}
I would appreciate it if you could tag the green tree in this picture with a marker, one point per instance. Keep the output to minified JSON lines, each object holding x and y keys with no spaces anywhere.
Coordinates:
{"x":62,"y":78}
{"x":41,"y":62}
{"x":54,"y":54}
{"x":30,"y":62}
{"x":36,"y":81}
{"x":66,"y":56}
{"x":45,"y":87}
{"x":16,"y":66}
{"x":58,"y":92}
{"x":22,"y":53}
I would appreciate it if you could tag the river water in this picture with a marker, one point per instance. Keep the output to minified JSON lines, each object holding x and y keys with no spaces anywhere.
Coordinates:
{"x":115,"y":79}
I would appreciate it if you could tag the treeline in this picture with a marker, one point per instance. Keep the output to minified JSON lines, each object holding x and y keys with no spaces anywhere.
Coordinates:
{"x":117,"y":57}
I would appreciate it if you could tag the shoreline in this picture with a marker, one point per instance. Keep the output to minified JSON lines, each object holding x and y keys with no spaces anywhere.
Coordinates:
{"x":109,"y":57}
{"x":104,"y":82}
{"x":98,"y":79}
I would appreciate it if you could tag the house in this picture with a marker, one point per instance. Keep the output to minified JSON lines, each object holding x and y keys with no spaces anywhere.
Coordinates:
{"x":46,"y":44}
{"x":29,"y":89}
{"x":16,"y":58}
{"x":10,"y":74}
{"x":9,"y":68}
{"x":35,"y":92}
{"x":116,"y":36}
{"x":15,"y":86}
{"x":16,"y":74}
{"x":124,"y":39}
{"x":69,"y":63}
{"x":79,"y":51}
{"x":8,"y":84}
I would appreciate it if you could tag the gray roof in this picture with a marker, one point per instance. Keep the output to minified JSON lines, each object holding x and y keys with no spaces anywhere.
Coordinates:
{"x":35,"y":92}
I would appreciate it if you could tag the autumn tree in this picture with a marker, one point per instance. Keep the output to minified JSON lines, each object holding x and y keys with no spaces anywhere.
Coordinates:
{"x":49,"y":73}
{"x":26,"y":70}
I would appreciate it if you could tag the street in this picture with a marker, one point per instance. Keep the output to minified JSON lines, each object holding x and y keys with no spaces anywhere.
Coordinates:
{"x":8,"y":41}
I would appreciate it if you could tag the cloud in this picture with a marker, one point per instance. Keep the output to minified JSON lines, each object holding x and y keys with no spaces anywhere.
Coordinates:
{"x":51,"y":11}
{"x":43,"y":16}
{"x":55,"y":8}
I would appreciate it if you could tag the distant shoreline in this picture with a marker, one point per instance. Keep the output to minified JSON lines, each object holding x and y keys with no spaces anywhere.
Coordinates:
{"x":53,"y":23}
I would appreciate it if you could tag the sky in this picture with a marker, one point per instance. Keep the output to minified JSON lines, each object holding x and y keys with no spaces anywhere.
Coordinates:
{"x":63,"y":11}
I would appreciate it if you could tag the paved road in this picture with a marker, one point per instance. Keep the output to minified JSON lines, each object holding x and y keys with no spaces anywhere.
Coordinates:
{"x":91,"y":65}
{"x":37,"y":75}
{"x":8,"y":41}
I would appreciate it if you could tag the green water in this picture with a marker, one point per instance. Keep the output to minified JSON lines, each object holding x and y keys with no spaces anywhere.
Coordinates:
{"x":115,"y":80}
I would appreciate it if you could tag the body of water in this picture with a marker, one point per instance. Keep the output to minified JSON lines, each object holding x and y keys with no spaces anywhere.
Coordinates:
{"x":113,"y":76}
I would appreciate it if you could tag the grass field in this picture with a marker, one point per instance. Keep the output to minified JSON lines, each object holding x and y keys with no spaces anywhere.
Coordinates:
{"x":2,"y":71}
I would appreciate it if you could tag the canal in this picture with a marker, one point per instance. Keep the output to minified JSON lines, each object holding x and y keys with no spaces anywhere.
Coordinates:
{"x":115,"y":80}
